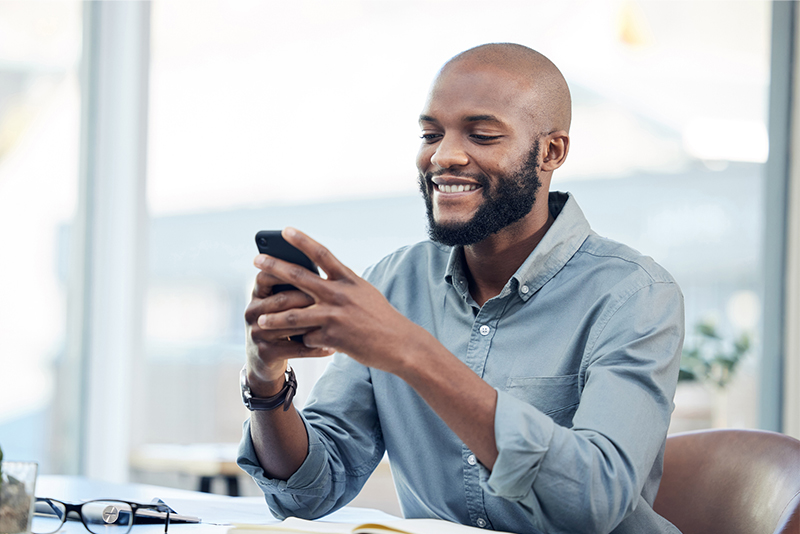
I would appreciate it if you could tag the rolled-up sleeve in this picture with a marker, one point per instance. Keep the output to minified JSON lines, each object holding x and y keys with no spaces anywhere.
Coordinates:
{"x":345,"y":445}
{"x":589,"y":477}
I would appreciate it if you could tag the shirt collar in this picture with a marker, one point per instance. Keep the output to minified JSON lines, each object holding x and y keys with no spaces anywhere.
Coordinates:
{"x":568,"y":232}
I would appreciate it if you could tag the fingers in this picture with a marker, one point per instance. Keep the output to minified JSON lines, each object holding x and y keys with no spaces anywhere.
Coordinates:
{"x":313,"y":322}
{"x":275,"y":272}
{"x":267,"y":359}
{"x":278,"y":302}
{"x":285,"y":349}
{"x":260,"y":334}
{"x":286,"y":300}
{"x":295,"y":319}
{"x":265,"y":279}
{"x":278,"y":343}
{"x":318,"y":254}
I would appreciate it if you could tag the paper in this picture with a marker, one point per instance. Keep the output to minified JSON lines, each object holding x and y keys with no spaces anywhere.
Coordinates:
{"x":294,"y":525}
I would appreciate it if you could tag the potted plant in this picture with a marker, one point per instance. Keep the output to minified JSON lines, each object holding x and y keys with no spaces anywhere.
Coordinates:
{"x":710,"y":358}
{"x":17,"y":481}
{"x":708,"y":364}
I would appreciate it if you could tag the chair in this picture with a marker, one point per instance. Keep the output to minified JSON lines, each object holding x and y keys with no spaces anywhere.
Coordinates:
{"x":731,"y":482}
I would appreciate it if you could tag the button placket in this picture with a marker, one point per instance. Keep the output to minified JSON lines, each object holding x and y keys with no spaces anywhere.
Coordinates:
{"x":483,"y":332}
{"x":481,"y":338}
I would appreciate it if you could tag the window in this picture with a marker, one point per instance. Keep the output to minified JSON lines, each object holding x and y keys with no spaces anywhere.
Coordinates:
{"x":40,"y":47}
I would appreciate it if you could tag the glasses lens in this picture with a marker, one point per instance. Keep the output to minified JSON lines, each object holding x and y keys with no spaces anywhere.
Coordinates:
{"x":48,"y":516}
{"x":107,"y":517}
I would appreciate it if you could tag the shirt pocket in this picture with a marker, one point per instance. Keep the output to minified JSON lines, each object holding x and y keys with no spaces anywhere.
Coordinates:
{"x":555,"y":396}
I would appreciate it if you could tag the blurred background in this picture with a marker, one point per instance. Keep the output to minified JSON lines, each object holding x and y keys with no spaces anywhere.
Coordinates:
{"x":140,"y":151}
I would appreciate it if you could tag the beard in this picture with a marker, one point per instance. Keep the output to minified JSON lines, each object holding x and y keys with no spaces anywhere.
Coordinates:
{"x":509,"y":201}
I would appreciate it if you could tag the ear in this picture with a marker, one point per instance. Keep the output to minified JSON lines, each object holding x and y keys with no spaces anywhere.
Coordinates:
{"x":555,"y":147}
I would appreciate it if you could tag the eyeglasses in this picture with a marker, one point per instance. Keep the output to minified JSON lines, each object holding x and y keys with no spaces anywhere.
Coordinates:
{"x":99,"y":517}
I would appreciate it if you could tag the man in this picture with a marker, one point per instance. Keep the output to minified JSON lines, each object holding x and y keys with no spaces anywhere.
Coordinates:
{"x":518,"y":369}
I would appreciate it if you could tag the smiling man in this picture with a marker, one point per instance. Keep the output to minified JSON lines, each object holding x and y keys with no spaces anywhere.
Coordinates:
{"x":518,"y":369}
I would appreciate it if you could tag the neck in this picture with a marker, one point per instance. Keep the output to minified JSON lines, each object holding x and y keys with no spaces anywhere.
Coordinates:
{"x":492,"y":262}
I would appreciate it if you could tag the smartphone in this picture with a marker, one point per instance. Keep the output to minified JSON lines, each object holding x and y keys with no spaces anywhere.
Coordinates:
{"x":272,"y":242}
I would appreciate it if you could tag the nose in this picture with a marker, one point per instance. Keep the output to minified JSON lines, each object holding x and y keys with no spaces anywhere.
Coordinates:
{"x":449,"y":153}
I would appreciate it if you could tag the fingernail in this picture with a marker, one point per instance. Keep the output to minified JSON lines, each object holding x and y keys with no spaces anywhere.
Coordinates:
{"x":260,"y":260}
{"x":262,"y":321}
{"x":290,"y":231}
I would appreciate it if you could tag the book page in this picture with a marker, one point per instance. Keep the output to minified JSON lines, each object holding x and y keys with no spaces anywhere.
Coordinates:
{"x":294,"y":525}
{"x":419,"y":526}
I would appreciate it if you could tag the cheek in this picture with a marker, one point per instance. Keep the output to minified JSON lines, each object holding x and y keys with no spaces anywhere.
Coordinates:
{"x":424,"y":157}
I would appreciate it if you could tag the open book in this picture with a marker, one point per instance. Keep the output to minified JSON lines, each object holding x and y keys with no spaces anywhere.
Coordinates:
{"x":294,"y":525}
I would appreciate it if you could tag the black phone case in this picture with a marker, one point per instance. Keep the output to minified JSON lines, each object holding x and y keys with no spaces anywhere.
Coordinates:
{"x":271,"y":242}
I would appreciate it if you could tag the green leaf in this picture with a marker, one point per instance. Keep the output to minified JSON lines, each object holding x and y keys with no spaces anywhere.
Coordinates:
{"x":686,"y":375}
{"x":707,"y":329}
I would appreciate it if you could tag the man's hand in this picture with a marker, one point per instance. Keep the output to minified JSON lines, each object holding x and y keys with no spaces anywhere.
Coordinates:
{"x":343,"y":312}
{"x":269,"y":350}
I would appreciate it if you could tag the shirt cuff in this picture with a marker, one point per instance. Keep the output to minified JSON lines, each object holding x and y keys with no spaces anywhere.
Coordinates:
{"x":309,"y":479}
{"x":523,"y":435}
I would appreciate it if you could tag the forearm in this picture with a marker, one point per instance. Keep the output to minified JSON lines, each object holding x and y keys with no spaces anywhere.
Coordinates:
{"x":279,"y":437}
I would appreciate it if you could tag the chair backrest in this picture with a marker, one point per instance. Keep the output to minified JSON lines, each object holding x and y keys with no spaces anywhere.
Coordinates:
{"x":731,"y":482}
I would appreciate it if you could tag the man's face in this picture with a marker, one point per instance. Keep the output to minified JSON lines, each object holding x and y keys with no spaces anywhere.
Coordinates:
{"x":507,"y":200}
{"x":479,"y":155}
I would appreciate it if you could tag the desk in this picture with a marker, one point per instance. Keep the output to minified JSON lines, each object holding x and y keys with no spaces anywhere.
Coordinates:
{"x":208,"y":461}
{"x":204,"y":460}
{"x":217,"y":512}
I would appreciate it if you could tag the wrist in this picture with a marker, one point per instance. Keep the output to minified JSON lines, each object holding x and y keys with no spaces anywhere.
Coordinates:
{"x":415,"y":355}
{"x":283,"y":397}
{"x":267,"y":381}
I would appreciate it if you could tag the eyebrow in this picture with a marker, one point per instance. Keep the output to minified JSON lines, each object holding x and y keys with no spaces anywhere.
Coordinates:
{"x":469,"y":118}
{"x":482,"y":118}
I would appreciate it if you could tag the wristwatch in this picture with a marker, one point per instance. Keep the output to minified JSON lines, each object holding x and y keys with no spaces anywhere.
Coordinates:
{"x":283,"y":397}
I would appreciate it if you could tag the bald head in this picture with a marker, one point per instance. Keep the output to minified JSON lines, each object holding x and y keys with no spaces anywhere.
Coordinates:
{"x":550,"y":100}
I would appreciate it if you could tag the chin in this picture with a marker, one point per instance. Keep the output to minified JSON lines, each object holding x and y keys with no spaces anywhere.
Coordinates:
{"x":451,"y":223}
{"x":453,"y":217}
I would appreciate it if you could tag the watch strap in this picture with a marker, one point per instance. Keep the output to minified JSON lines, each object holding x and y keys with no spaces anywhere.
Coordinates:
{"x":282,"y":398}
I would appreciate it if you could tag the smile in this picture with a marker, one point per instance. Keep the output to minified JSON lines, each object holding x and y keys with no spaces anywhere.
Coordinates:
{"x":459,"y":188}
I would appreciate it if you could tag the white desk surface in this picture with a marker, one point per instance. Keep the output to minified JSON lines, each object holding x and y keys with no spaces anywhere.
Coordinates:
{"x":217,"y":512}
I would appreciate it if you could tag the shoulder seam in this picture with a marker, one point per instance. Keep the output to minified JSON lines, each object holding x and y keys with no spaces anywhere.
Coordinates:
{"x":610,"y":313}
{"x":639,"y":264}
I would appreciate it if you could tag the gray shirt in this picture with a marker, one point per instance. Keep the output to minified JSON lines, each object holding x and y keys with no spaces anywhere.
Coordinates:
{"x":582,"y":346}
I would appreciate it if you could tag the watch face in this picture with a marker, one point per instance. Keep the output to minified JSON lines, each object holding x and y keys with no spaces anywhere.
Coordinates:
{"x":246,"y":395}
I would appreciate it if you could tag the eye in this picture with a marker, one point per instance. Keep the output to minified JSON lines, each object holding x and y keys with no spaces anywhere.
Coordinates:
{"x":430,"y":137}
{"x":485,"y":138}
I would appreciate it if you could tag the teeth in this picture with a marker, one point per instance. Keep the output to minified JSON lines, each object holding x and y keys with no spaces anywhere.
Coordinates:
{"x":457,"y":188}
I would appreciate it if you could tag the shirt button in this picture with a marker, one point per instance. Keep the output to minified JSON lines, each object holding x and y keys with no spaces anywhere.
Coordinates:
{"x":525,"y":289}
{"x":485,"y":330}
{"x":481,"y":522}
{"x":471,"y":459}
